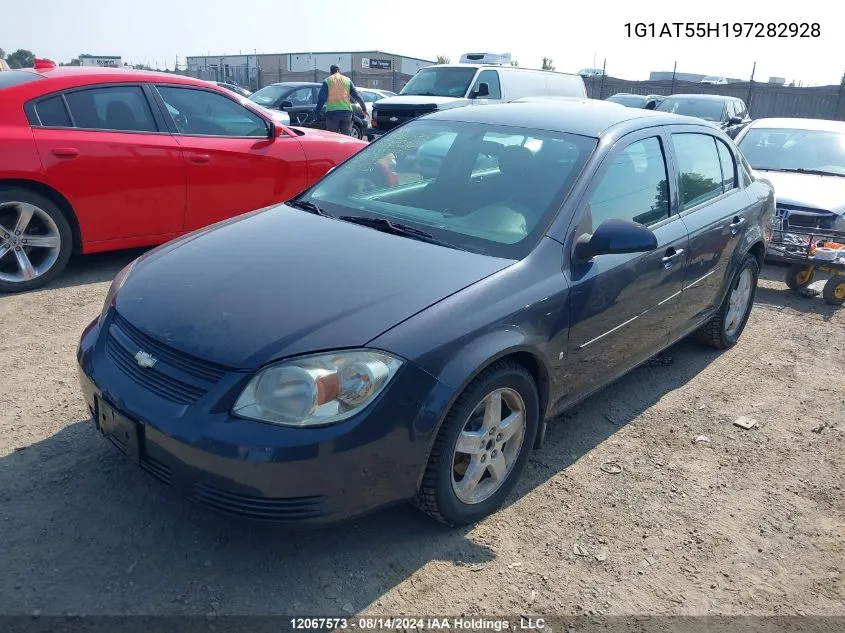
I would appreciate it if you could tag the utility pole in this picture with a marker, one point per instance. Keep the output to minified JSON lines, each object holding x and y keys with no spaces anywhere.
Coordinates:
{"x":601,"y":85}
{"x":750,"y":89}
{"x":674,"y":71}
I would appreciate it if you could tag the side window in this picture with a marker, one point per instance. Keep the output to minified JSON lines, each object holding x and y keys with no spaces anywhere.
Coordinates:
{"x":205,"y":113}
{"x":728,"y":166}
{"x":491,"y":78}
{"x":119,"y":108}
{"x":52,"y":112}
{"x":699,"y":167}
{"x":301,"y":97}
{"x":634,"y":187}
{"x":741,"y":110}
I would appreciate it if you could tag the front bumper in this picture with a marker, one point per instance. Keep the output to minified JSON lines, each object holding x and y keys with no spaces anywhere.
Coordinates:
{"x":263,"y":471}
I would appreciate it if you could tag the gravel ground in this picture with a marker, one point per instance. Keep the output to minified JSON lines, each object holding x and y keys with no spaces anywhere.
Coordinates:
{"x":746,"y":522}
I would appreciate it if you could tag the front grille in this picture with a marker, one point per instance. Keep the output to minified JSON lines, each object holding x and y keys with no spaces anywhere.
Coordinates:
{"x":805,"y":217}
{"x":164,"y":386}
{"x":157,"y":469}
{"x":260,"y":508}
{"x":204,"y":370}
{"x":402,"y":115}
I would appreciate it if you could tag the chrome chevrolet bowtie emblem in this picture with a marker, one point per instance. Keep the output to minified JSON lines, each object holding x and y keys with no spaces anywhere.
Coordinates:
{"x":393,"y":119}
{"x":144,"y":359}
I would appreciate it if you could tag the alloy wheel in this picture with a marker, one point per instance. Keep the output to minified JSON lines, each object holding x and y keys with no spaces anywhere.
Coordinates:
{"x":739,"y":302}
{"x":30,"y":242}
{"x":488,"y":446}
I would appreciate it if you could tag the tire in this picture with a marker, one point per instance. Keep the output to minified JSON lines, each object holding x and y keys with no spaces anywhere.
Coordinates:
{"x":358,"y":131}
{"x":437,"y":495}
{"x":47,"y":224}
{"x":834,"y":291}
{"x":799,"y":277}
{"x":722,"y":331}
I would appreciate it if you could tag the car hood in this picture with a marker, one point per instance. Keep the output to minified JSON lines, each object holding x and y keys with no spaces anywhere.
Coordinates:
{"x":806,"y":190}
{"x":442,"y":103}
{"x":281,"y":281}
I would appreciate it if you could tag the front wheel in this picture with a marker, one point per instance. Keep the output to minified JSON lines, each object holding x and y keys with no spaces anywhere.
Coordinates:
{"x":357,"y":131}
{"x":723,"y":330}
{"x":834,"y":291}
{"x":35,"y":240}
{"x":482,"y":446}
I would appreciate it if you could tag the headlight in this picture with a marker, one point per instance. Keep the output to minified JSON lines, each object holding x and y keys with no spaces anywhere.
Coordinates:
{"x":116,"y":285}
{"x":316,"y":390}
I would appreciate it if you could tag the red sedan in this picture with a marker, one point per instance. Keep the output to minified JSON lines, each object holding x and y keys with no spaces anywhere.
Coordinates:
{"x":101,"y":159}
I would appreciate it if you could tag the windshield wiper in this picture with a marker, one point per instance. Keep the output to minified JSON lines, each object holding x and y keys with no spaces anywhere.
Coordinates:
{"x":801,"y":170}
{"x":307,"y":205}
{"x":394,"y":228}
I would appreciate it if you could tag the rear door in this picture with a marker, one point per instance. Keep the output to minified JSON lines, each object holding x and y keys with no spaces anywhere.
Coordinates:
{"x":114,"y":160}
{"x":712,"y":206}
{"x":621,"y":306}
{"x":233,"y":166}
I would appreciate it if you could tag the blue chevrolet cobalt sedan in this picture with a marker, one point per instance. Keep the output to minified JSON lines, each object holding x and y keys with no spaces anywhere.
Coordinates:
{"x":365,"y":345}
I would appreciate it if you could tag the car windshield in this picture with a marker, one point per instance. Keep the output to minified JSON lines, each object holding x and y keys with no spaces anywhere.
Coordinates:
{"x":632,"y":101}
{"x":440,"y":82}
{"x":811,"y":150}
{"x":269,"y":94}
{"x":483,"y":188}
{"x":707,"y":109}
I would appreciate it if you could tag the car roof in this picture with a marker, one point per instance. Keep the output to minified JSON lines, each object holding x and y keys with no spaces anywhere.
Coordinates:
{"x":586,"y":117}
{"x":295,"y":84}
{"x":704,"y":97}
{"x":800,"y":124}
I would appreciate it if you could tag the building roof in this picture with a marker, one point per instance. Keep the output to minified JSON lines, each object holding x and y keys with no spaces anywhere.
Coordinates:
{"x":586,"y":117}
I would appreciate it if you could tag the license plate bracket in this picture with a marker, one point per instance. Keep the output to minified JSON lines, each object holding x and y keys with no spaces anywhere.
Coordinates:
{"x":122,"y":431}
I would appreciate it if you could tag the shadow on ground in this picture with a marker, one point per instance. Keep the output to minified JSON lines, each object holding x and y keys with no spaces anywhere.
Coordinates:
{"x":773,"y":292}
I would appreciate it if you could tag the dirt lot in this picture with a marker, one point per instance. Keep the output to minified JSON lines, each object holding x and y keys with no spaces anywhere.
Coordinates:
{"x":750,"y":521}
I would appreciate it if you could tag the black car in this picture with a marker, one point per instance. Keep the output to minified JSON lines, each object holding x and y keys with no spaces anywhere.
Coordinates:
{"x":729,"y":114}
{"x":298,"y":99}
{"x":647,"y":102}
{"x":370,"y":346}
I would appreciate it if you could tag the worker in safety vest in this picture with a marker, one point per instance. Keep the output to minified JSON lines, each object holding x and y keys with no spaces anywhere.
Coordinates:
{"x":337,"y":93}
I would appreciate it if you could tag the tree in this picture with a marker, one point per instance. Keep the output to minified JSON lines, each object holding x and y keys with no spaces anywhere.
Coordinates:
{"x":21,"y":58}
{"x":547,"y":63}
{"x":2,"y":54}
{"x":443,"y":59}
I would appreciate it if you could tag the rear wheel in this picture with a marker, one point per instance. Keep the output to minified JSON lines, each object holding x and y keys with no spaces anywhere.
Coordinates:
{"x":35,"y":240}
{"x":482,"y":446}
{"x":357,"y":131}
{"x":834,"y":291}
{"x":798,"y":276}
{"x":724,"y":329}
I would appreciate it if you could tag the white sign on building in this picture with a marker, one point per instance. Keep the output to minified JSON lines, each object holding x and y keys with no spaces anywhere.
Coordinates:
{"x":103,"y":62}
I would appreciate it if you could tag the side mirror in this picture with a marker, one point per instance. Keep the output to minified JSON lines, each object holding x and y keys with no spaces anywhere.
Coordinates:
{"x":286,"y":104}
{"x":651,"y":104}
{"x":614,"y":236}
{"x":483,"y":90}
{"x":735,"y":120}
{"x":273,"y":130}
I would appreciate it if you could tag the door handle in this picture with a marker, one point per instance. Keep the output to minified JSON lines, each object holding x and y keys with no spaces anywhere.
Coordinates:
{"x":199,"y":159}
{"x":671,"y":256}
{"x":65,"y":152}
{"x":736,"y":224}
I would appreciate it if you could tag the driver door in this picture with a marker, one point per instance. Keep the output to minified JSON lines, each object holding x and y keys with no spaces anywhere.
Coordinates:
{"x":233,"y":166}
{"x":302,"y":102}
{"x":621,"y":306}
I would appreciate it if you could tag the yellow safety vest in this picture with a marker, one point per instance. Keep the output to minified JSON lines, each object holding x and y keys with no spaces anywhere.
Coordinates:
{"x":339,"y":93}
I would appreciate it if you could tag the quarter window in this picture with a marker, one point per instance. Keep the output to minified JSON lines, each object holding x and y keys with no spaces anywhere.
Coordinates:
{"x":728,"y":166}
{"x":491,"y":78}
{"x":120,"y":108}
{"x":634,"y":187}
{"x":205,"y":113}
{"x":52,"y":112}
{"x":699,"y":168}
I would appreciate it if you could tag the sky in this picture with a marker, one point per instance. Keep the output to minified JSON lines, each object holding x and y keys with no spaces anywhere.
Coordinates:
{"x":573,"y":34}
